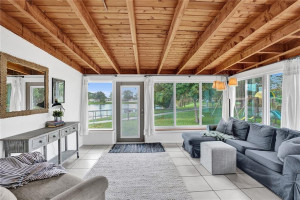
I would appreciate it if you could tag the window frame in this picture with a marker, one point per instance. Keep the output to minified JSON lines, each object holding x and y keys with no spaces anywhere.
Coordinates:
{"x":112,"y":107}
{"x":265,"y":92}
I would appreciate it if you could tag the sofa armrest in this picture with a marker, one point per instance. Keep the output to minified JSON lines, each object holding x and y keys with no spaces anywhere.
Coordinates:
{"x":211,"y":127}
{"x":291,"y":165}
{"x":91,"y":189}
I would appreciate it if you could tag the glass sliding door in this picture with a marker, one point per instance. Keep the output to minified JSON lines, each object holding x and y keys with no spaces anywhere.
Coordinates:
{"x":255,"y":100}
{"x":130,"y":116}
{"x":275,"y":99}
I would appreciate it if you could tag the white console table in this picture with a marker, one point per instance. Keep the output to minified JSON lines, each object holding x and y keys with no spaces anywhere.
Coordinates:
{"x":32,"y":140}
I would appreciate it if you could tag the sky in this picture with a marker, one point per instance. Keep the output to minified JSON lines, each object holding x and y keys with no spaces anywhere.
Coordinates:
{"x":106,"y":88}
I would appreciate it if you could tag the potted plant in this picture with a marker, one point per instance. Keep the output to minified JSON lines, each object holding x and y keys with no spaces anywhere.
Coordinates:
{"x":57,"y":114}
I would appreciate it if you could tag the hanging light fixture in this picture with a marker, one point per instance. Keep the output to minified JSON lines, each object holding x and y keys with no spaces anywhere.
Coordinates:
{"x":220,"y":86}
{"x":214,"y":84}
{"x":233,"y":81}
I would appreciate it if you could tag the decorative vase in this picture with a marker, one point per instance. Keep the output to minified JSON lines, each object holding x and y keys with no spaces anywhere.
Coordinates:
{"x":57,"y":119}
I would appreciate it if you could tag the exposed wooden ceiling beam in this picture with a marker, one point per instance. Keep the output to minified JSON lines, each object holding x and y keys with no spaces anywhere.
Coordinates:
{"x":35,"y":14}
{"x":227,"y":11}
{"x":277,"y":9}
{"x":22,"y":31}
{"x":177,"y":17}
{"x":131,"y":15}
{"x":284,"y":32}
{"x":290,"y":48}
{"x":86,"y":19}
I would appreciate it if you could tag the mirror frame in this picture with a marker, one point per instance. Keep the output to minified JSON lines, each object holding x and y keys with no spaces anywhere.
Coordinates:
{"x":4,"y":58}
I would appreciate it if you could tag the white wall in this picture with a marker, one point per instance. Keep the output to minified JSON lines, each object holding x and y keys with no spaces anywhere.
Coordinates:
{"x":18,"y":47}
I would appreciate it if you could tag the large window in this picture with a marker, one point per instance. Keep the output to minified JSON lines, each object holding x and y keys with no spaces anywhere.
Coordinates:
{"x":187,"y":104}
{"x":250,"y":96}
{"x":163,"y":104}
{"x":211,"y":104}
{"x":255,"y":96}
{"x":177,"y":104}
{"x":275,"y":99}
{"x":100,"y":105}
{"x":239,"y":110}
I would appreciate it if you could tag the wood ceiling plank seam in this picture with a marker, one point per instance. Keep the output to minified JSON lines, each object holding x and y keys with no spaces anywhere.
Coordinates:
{"x":226,"y":12}
{"x":270,"y":15}
{"x":176,"y":21}
{"x":271,"y":39}
{"x":22,"y":31}
{"x":84,"y":16}
{"x":36,"y":15}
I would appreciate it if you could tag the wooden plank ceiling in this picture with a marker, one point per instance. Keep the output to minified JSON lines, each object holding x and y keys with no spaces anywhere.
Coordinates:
{"x":158,"y":36}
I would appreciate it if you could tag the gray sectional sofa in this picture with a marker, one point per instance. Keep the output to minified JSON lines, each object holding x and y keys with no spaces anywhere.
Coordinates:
{"x":257,"y":154}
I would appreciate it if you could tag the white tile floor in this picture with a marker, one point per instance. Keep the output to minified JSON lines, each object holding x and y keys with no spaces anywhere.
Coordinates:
{"x":199,"y":182}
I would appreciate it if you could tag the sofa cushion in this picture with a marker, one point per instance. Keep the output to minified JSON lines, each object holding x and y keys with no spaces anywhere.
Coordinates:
{"x":284,"y":134}
{"x":240,"y":128}
{"x":225,"y":127}
{"x":289,"y":147}
{"x":6,"y":194}
{"x":262,"y":135}
{"x":266,"y":158}
{"x":46,"y":188}
{"x":195,"y":138}
{"x":242,"y":145}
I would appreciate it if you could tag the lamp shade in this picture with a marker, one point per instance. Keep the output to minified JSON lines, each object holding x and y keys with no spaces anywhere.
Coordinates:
{"x":214,"y":84}
{"x":220,"y":86}
{"x":232,"y":81}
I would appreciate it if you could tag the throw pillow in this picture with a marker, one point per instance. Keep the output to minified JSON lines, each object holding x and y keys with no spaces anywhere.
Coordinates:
{"x":225,"y":127}
{"x":289,"y":147}
{"x":282,"y":135}
{"x":262,"y":135}
{"x":239,"y":128}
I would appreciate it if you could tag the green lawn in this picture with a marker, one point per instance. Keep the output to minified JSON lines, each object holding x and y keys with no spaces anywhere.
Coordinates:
{"x":188,"y":118}
{"x":101,"y":125}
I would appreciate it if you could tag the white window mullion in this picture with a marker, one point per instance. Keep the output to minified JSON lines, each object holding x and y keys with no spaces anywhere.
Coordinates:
{"x":174,"y":103}
{"x":246,"y":100}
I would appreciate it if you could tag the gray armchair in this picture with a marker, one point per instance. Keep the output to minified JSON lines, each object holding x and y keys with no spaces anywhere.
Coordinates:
{"x":63,"y":187}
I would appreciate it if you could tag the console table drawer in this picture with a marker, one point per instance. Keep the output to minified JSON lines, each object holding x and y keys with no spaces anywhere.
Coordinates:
{"x":65,"y":132}
{"x":39,"y":142}
{"x":53,"y":136}
{"x":73,"y":128}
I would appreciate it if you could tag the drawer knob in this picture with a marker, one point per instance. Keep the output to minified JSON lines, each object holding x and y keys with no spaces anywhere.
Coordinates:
{"x":40,"y":141}
{"x":54,"y":135}
{"x":73,"y":127}
{"x":66,"y":131}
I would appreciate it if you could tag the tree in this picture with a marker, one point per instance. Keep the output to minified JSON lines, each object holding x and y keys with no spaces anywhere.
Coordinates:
{"x":187,"y":92}
{"x":127,"y":95}
{"x":163,"y":95}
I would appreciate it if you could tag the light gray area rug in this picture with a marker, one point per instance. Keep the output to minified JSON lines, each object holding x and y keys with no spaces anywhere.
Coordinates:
{"x":140,"y":176}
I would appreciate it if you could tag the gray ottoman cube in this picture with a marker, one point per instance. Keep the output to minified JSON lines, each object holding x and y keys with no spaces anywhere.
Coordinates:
{"x":218,"y":157}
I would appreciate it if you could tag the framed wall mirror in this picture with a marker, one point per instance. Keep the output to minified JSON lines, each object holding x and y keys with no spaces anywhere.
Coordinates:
{"x":24,"y":87}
